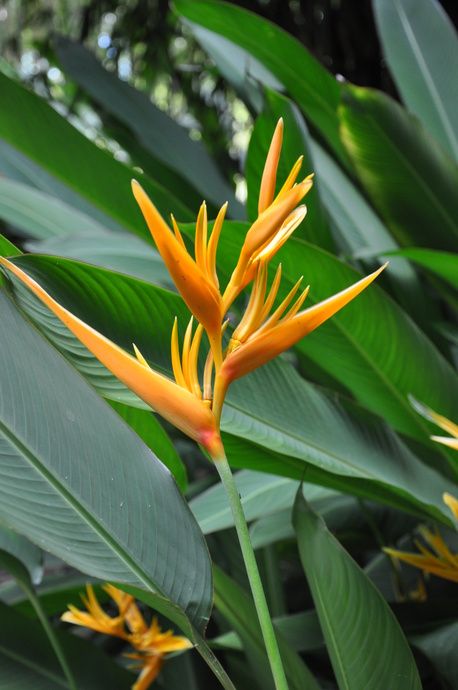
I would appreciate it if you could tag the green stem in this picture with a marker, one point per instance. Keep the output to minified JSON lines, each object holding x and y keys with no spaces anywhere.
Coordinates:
{"x":254,"y":578}
{"x":54,"y":642}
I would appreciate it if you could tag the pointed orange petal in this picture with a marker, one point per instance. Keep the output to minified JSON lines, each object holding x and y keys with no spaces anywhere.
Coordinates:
{"x":269,"y":175}
{"x":263,"y":347}
{"x":213,"y":244}
{"x":201,"y":238}
{"x":271,"y":219}
{"x":171,"y":401}
{"x":291,"y":179}
{"x":198,"y":292}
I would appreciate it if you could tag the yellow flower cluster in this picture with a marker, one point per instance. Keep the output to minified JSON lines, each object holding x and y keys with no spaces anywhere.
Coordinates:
{"x":149,"y":642}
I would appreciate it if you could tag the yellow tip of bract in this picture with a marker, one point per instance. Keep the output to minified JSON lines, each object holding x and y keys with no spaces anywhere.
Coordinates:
{"x":452,"y":503}
{"x":446,"y":441}
{"x":172,"y":402}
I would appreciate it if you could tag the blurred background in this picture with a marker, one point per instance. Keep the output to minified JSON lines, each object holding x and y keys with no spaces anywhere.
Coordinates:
{"x":146,"y":45}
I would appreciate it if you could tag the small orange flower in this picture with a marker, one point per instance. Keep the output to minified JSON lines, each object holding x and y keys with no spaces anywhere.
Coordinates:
{"x":150,"y":643}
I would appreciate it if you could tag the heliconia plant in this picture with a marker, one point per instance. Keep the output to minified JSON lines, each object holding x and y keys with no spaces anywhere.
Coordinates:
{"x":262,"y":334}
{"x":210,"y":429}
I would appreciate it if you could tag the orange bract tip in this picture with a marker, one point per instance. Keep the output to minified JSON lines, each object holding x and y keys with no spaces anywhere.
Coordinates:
{"x":269,"y":175}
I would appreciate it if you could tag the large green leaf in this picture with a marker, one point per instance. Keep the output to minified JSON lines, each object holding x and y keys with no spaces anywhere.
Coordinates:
{"x":340,"y":511}
{"x":367,"y":647}
{"x":440,"y":646}
{"x":28,"y":663}
{"x":67,"y":154}
{"x":145,"y":424}
{"x":15,"y":165}
{"x":442,"y":264}
{"x":298,"y":429}
{"x":77,"y":481}
{"x":243,"y":71}
{"x":21,"y":548}
{"x":421,"y":48}
{"x":410,"y":180}
{"x":239,"y":611}
{"x":312,"y":87}
{"x":358,"y":229}
{"x":40,"y":215}
{"x":296,"y":143}
{"x":155,"y":130}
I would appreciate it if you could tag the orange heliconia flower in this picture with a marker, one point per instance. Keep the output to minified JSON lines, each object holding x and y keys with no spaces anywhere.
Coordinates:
{"x":150,"y":643}
{"x":194,"y":400}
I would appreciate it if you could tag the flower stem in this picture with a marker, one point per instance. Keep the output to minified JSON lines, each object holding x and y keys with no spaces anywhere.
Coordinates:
{"x":254,"y":578}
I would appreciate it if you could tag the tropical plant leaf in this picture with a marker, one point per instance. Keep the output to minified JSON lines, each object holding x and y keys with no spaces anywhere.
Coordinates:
{"x":240,"y":69}
{"x":64,"y":152}
{"x":15,"y":165}
{"x":341,"y":512}
{"x":239,"y":611}
{"x":358,"y":229}
{"x":115,"y":518}
{"x":27,"y":553}
{"x":310,"y":85}
{"x":145,"y":425}
{"x":7,"y":248}
{"x":40,"y":215}
{"x":418,"y":39}
{"x":157,"y":133}
{"x":27,"y":661}
{"x":361,"y":632}
{"x":120,"y":252}
{"x":300,"y":423}
{"x":409,"y":179}
{"x":442,"y":264}
{"x":439,"y":646}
